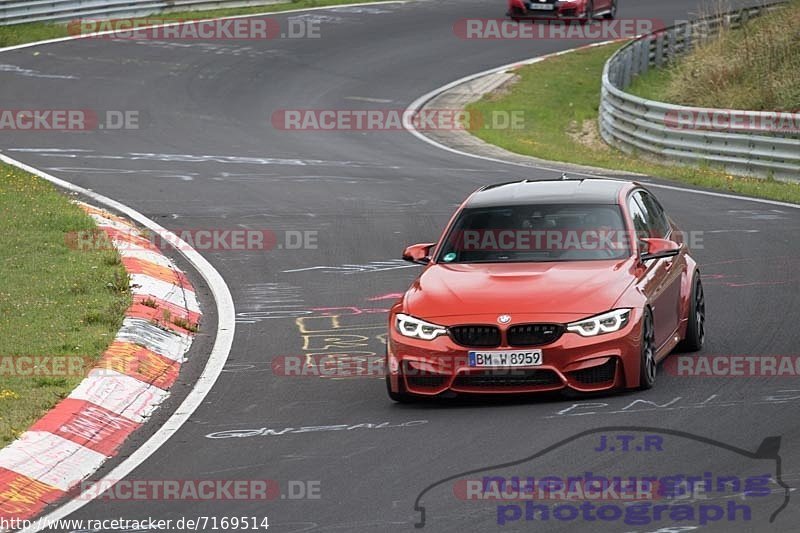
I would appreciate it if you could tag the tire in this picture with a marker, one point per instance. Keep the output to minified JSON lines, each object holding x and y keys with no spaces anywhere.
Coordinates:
{"x":696,"y":328}
{"x":611,"y":15}
{"x":399,"y":397}
{"x":647,"y":365}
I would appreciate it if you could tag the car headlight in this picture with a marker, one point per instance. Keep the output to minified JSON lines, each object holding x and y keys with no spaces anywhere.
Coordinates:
{"x":418,"y":329}
{"x":597,"y":325}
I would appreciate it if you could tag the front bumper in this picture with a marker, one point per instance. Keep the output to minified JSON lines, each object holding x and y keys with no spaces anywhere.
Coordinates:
{"x":561,"y":10}
{"x":583,"y":364}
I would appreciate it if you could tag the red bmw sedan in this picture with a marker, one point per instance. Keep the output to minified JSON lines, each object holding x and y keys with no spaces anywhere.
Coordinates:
{"x":581,"y":10}
{"x":546,"y":285}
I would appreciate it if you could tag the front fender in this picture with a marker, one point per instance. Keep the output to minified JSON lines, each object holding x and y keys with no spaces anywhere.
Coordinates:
{"x":687,"y":282}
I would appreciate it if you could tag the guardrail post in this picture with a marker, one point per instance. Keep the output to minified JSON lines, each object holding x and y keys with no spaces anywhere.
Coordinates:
{"x":644,"y":57}
{"x":626,"y":71}
{"x":635,"y":59}
{"x":670,"y":44}
{"x":687,"y":38}
{"x":660,"y":50}
{"x":744,"y":16}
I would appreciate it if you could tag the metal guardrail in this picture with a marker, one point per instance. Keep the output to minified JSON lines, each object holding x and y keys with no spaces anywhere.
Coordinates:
{"x":67,"y":10}
{"x":750,"y":143}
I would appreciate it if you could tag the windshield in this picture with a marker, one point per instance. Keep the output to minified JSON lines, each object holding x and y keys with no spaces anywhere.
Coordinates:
{"x":534,"y":233}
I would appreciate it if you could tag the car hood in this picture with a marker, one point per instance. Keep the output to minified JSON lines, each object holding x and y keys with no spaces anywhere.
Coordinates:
{"x":581,"y":288}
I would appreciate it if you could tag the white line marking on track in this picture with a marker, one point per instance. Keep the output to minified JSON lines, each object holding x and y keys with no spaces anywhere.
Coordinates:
{"x":368,"y":99}
{"x":226,"y":326}
{"x":32,"y":73}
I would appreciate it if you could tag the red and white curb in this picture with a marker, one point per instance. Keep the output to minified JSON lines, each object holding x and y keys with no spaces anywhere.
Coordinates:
{"x":126,"y":385}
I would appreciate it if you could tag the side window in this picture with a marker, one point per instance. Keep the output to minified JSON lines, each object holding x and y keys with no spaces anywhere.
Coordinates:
{"x":656,"y":213}
{"x":639,"y":221}
{"x":656,"y":220}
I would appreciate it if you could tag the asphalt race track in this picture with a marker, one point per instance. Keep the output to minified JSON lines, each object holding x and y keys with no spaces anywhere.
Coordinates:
{"x":207,"y":156}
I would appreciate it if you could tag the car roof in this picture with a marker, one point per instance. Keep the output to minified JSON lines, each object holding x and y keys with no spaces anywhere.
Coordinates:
{"x":561,"y":191}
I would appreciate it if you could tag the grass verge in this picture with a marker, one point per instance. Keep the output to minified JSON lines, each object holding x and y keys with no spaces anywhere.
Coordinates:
{"x":40,"y":31}
{"x":756,"y":67}
{"x":54,"y":300}
{"x":560,"y":99}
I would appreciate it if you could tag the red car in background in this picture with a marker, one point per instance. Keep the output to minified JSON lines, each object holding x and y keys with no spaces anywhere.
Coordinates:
{"x":581,"y":10}
{"x":546,"y":285}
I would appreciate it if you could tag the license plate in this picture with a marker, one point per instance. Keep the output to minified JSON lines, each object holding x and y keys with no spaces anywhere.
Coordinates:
{"x":501,"y":359}
{"x":542,"y":7}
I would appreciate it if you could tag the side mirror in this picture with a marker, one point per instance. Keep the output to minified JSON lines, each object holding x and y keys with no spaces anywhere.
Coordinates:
{"x":659,"y":248}
{"x":419,"y":253}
